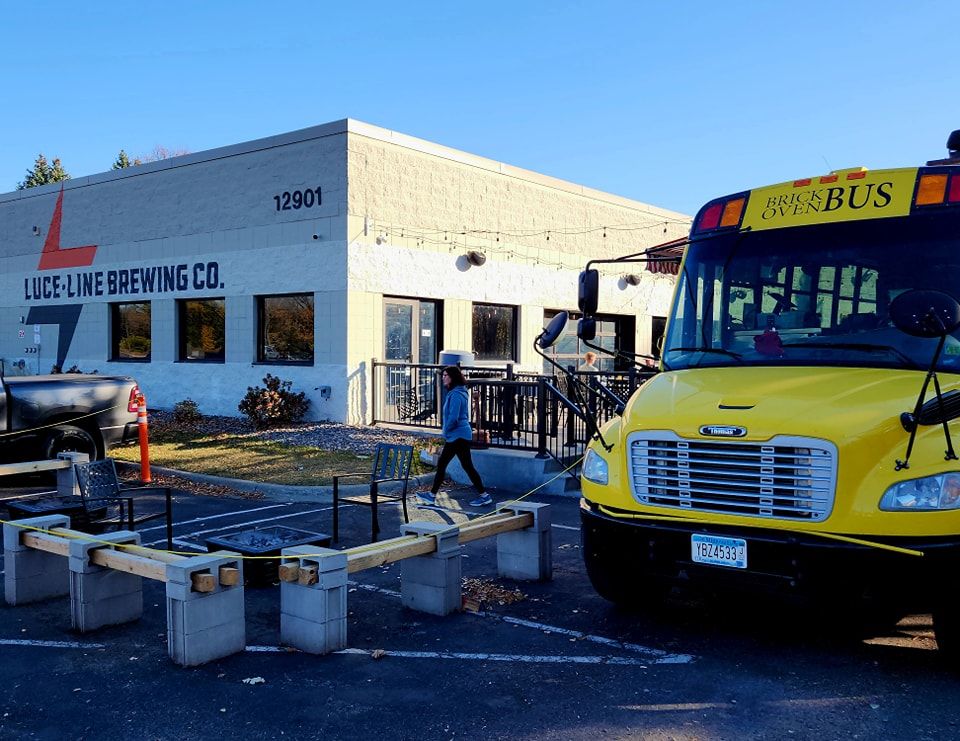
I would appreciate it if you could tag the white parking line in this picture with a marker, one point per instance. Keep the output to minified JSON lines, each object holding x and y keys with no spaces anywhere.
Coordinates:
{"x":49,"y":644}
{"x":656,"y":655}
{"x":215,"y":517}
{"x":459,"y":656}
{"x":515,"y":658}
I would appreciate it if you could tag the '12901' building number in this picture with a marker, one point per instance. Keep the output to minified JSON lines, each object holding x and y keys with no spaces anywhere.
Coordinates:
{"x":298,"y":199}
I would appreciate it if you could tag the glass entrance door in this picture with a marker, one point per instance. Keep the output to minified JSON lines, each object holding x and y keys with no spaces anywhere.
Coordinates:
{"x":399,"y":337}
{"x":411,"y":327}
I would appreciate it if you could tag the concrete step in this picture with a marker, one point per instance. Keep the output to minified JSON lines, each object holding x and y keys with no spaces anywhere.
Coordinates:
{"x":517,"y":470}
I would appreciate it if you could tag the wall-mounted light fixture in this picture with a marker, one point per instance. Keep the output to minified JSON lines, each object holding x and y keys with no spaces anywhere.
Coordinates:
{"x":631,"y":279}
{"x":475,"y":257}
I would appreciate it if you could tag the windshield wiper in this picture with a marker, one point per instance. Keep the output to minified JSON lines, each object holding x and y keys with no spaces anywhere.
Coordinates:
{"x":713,"y":350}
{"x":862,"y":346}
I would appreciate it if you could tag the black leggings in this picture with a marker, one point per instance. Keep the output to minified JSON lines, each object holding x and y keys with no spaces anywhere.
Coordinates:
{"x":461,"y":449}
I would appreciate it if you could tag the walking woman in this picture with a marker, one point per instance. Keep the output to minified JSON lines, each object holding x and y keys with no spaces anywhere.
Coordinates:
{"x":457,"y":435}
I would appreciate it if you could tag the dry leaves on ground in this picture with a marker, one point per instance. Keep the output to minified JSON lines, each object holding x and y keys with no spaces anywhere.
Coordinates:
{"x":480,"y":592}
{"x":194,"y":487}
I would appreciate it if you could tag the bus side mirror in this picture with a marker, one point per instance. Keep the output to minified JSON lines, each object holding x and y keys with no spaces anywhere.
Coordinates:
{"x":553,"y":331}
{"x":589,"y":291}
{"x":921,"y":313}
{"x":587,"y":328}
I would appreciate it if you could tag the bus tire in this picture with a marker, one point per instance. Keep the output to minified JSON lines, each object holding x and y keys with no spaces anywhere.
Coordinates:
{"x":946,"y":628}
{"x":69,"y":439}
{"x":630,"y":589}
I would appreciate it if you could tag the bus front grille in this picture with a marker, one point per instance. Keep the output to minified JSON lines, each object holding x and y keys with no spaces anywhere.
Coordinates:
{"x":788,"y":477}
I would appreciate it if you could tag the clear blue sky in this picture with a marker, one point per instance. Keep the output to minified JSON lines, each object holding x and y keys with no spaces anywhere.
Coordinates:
{"x":671,"y":103}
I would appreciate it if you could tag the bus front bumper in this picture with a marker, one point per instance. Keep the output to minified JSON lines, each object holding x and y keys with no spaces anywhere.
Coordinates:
{"x":777,"y":561}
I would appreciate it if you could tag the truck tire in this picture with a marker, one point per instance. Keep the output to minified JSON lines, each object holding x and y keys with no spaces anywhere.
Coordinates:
{"x":70,"y":439}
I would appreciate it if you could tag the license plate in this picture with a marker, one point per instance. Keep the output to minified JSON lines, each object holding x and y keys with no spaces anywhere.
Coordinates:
{"x":717,"y":551}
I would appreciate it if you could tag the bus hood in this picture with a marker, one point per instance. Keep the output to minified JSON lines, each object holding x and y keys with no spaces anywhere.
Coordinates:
{"x":838,"y":404}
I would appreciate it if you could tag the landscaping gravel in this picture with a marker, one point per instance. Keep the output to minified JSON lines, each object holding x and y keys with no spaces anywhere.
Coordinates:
{"x":325,"y":435}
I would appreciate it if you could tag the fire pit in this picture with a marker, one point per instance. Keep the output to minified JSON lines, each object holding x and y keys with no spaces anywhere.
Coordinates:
{"x":265,"y":541}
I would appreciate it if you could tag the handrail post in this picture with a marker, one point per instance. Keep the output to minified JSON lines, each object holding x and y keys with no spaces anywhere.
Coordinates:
{"x":509,"y":404}
{"x":373,"y":390}
{"x":571,"y":417}
{"x":542,"y":417}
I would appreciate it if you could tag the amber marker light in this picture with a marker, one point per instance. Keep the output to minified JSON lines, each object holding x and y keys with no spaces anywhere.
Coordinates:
{"x":931,"y":190}
{"x":732,"y":212}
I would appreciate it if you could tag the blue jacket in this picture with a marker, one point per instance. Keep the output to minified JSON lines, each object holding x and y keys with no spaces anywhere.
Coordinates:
{"x":456,"y":415}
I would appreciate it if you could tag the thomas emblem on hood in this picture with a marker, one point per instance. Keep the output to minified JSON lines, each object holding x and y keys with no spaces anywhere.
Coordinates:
{"x":723,"y":431}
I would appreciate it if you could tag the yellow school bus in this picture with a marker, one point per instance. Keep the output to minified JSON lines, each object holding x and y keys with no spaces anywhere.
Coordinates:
{"x":798,"y":439}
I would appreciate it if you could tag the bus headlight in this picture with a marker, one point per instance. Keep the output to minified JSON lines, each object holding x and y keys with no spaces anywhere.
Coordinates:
{"x":923,"y":495}
{"x":595,"y":467}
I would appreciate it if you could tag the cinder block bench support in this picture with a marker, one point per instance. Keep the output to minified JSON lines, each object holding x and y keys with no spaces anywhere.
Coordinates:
{"x":431,"y":583}
{"x":101,"y":596}
{"x":203,"y":626}
{"x":313,"y":603}
{"x":67,"y":485}
{"x":527,"y":554}
{"x":32,"y":575}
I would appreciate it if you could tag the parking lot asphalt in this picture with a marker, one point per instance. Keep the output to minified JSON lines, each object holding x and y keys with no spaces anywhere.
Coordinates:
{"x":560,"y":663}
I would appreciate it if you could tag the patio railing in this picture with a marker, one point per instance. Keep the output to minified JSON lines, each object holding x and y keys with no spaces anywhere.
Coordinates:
{"x":517,"y":410}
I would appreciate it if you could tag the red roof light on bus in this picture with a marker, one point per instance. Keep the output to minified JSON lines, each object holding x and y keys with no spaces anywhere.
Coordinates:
{"x":954,"y":195}
{"x":710,"y":218}
{"x":825,"y":179}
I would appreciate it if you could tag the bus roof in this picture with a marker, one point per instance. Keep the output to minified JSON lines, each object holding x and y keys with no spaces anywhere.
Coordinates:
{"x":844,"y":195}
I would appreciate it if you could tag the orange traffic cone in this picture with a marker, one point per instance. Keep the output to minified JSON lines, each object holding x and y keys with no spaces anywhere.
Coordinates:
{"x":144,"y":440}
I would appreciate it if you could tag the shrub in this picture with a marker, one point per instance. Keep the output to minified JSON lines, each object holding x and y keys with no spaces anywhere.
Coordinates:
{"x":274,"y":405}
{"x":186,"y":412}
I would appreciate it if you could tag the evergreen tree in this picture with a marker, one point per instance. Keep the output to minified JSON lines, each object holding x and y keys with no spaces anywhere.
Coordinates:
{"x":57,"y":173}
{"x":122,"y":161}
{"x":44,"y":173}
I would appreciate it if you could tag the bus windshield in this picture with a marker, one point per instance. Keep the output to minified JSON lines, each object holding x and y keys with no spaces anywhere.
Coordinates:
{"x":813,"y":295}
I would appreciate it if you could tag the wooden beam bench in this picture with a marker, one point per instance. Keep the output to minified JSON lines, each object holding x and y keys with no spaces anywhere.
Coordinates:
{"x":205,"y":606}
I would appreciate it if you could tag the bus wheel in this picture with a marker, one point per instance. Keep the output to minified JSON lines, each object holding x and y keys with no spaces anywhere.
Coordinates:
{"x":946,"y":627}
{"x":628,"y":588}
{"x":69,"y":439}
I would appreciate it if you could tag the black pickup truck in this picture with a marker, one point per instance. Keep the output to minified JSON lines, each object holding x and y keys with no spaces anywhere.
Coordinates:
{"x":41,"y":416}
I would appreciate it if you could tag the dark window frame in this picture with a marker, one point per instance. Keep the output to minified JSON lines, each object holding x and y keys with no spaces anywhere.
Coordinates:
{"x":514,"y":331}
{"x":260,"y":354}
{"x":182,"y":356}
{"x":115,"y":333}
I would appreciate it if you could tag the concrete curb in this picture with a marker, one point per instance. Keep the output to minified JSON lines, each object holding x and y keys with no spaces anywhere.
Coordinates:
{"x":281,"y":492}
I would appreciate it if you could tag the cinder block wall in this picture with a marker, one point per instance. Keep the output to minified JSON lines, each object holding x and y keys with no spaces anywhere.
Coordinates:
{"x":416,"y":208}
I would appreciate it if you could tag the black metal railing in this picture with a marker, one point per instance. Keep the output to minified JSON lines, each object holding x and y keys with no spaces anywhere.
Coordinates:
{"x":516,"y":410}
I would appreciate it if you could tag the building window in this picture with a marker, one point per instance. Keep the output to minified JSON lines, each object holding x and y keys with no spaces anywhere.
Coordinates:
{"x":130,"y":331}
{"x":494,"y":332}
{"x":202,"y":330}
{"x":285,"y":328}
